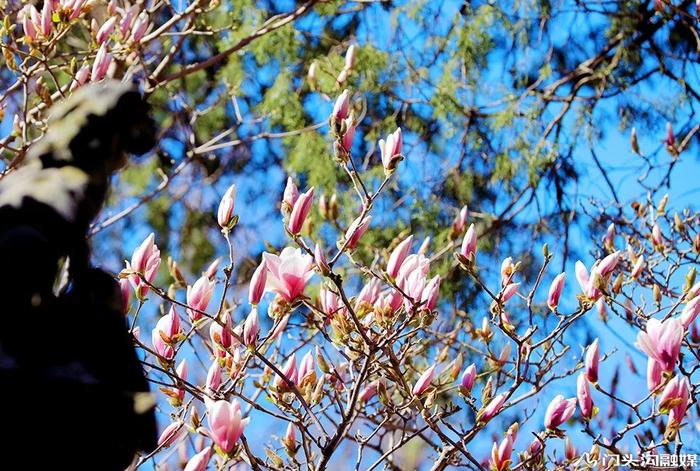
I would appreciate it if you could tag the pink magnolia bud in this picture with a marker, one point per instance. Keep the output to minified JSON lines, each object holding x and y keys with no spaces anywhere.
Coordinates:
{"x":670,"y":136}
{"x":555,"y":290}
{"x":398,"y":256}
{"x":509,"y":291}
{"x":569,"y":449}
{"x":211,"y":270}
{"x":656,"y":236}
{"x":291,"y":194}
{"x":125,"y":288}
{"x":430,"y":293}
{"x":492,"y":408}
{"x":198,"y":297}
{"x":591,"y":362}
{"x":171,"y":433}
{"x":140,"y":26}
{"x":220,"y":335}
{"x":583,"y":393}
{"x":225,"y":216}
{"x":289,"y":370}
{"x":608,"y":264}
{"x":320,"y":260}
{"x":638,"y":267}
{"x":257,"y":284}
{"x":609,"y":238}
{"x":225,"y":423}
{"x":46,"y":19}
{"x":311,"y":77}
{"x":251,"y":327}
{"x":690,"y":312}
{"x":165,"y":334}
{"x":349,"y":134}
{"x":500,"y":455}
{"x":424,"y":381}
{"x":350,"y":57}
{"x":301,"y":210}
{"x":100,"y":66}
{"x":424,"y":246}
{"x":127,"y":19}
{"x":662,"y":341}
{"x":674,"y":401}
{"x":341,"y":109}
{"x":214,"y":376}
{"x":654,"y":375}
{"x":181,"y":371}
{"x":27,"y":24}
{"x":468,"y":249}
{"x":106,"y":30}
{"x":290,"y":437}
{"x":460,"y":220}
{"x":306,"y":367}
{"x":199,"y":461}
{"x":507,"y":271}
{"x":368,"y":392}
{"x":77,"y":8}
{"x":559,"y":411}
{"x":391,"y":151}
{"x":468,"y":379}
{"x":81,"y":76}
{"x":356,"y":230}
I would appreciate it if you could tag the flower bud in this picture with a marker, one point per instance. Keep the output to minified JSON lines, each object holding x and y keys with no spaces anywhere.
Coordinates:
{"x":225,"y":216}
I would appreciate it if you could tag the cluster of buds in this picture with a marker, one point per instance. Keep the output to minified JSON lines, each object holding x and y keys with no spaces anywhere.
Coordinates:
{"x":343,"y":127}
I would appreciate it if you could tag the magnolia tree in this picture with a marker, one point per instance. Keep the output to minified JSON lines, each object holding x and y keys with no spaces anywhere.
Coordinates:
{"x":388,"y":365}
{"x":350,"y":351}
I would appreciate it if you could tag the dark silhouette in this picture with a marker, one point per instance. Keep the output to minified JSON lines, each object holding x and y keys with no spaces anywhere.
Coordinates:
{"x":71,"y":385}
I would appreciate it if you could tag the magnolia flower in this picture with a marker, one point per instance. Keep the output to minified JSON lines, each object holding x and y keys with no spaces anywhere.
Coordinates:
{"x":356,"y":230}
{"x":214,"y":376}
{"x":555,"y":290}
{"x":491,"y":409}
{"x":662,"y":341}
{"x":424,"y":381}
{"x":569,"y":449}
{"x":690,"y":312}
{"x":500,"y":455}
{"x":509,"y":291}
{"x":181,"y":371}
{"x":468,"y":379}
{"x":341,"y":109}
{"x":674,"y":401}
{"x":608,"y":264}
{"x":289,"y":371}
{"x":586,"y":282}
{"x":330,"y":303}
{"x":559,"y":411}
{"x":81,"y":76}
{"x":257,"y":284}
{"x":199,"y":461}
{"x":221,"y":335}
{"x":583,"y":393}
{"x":225,"y":424}
{"x":100,"y":65}
{"x":171,"y":433}
{"x":350,"y":57}
{"x":468,"y":249}
{"x":224,"y":215}
{"x":28,"y":25}
{"x":125,"y":289}
{"x":165,"y":334}
{"x":656,"y":236}
{"x":140,"y":27}
{"x":302,"y":207}
{"x":290,"y":196}
{"x":349,"y":133}
{"x":127,"y":20}
{"x":460,"y":220}
{"x":507,"y":270}
{"x":638,"y":267}
{"x":145,"y":261}
{"x":430,"y":293}
{"x":591,"y":362}
{"x":198,"y":297}
{"x":391,"y":151}
{"x":306,"y":369}
{"x":369,"y":391}
{"x":288,"y":272}
{"x":105,"y":30}
{"x":398,"y":256}
{"x":251,"y":327}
